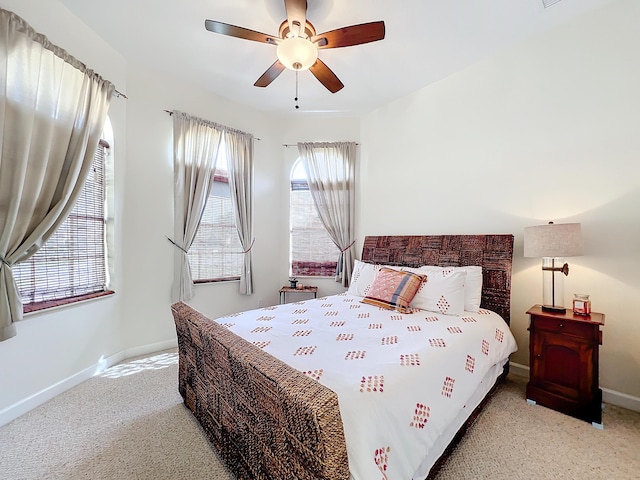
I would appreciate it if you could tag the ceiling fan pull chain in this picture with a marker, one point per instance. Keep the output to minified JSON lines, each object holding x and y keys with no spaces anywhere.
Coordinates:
{"x":296,"y":99}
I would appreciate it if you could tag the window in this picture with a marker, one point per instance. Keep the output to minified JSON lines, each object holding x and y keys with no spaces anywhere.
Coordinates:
{"x":313,"y":253}
{"x":216,"y":252}
{"x":72,"y":265}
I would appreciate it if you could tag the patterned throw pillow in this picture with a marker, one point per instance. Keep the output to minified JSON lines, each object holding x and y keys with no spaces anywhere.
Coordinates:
{"x":393,"y":289}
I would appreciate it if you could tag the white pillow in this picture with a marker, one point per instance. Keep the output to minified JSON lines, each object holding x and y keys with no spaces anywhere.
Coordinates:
{"x":472,"y":286}
{"x":365,"y":273}
{"x":443,"y":292}
{"x":362,"y":277}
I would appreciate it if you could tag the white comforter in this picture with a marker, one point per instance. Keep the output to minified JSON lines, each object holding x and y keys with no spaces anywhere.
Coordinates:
{"x":400,"y":378}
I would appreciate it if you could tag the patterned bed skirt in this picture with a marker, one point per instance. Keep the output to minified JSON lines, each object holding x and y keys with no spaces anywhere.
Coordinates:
{"x":267,"y":420}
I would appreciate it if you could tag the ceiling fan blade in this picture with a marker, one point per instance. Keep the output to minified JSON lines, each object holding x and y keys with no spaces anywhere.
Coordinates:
{"x":270,"y":74}
{"x":296,"y":15}
{"x":326,"y":76}
{"x":353,"y":35}
{"x":239,"y":32}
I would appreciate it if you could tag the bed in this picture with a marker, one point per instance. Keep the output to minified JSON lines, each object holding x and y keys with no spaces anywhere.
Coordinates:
{"x":334,"y":388}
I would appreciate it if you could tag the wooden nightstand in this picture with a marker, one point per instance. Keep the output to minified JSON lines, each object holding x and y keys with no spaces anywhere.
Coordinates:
{"x":563,"y":362}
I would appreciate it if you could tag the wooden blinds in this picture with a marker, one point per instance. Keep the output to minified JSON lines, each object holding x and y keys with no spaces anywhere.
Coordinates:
{"x":72,"y":262}
{"x":313,"y":253}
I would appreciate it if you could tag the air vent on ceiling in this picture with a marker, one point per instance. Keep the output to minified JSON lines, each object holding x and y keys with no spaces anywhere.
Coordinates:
{"x":548,"y":3}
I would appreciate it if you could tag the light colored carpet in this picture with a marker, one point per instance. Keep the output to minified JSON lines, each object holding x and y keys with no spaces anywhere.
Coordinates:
{"x":130,"y":423}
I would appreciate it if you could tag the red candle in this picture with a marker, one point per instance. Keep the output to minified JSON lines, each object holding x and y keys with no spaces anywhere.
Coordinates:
{"x":581,"y":304}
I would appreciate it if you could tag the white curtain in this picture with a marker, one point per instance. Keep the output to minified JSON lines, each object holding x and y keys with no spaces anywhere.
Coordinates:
{"x":52,"y":110}
{"x":196,"y":143}
{"x":330,"y":171}
{"x":239,"y":149}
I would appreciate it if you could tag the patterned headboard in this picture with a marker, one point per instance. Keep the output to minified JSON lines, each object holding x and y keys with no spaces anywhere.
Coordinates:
{"x":492,"y":252}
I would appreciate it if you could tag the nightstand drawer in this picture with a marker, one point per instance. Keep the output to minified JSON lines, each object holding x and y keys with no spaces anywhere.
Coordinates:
{"x":560,"y":325}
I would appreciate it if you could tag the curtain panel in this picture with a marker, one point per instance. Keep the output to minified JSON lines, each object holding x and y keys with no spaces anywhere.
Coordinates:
{"x":52,"y":111}
{"x":196,"y":144}
{"x":239,"y":149}
{"x":330,"y":171}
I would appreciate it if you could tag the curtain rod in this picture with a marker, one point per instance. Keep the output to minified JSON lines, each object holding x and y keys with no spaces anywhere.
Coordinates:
{"x":287,"y":145}
{"x":170,"y":112}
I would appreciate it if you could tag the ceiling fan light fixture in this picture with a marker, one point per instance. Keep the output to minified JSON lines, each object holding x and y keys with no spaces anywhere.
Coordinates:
{"x":297,"y":53}
{"x":298,"y":43}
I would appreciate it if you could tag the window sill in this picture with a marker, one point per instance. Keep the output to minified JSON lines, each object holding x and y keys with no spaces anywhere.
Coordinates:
{"x":49,"y":304}
{"x":216,"y":280}
{"x":331,"y":277}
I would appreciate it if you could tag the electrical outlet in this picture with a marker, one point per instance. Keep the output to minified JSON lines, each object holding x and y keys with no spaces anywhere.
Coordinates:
{"x":260,"y":302}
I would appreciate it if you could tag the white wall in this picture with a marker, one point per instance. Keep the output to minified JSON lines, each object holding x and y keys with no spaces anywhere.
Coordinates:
{"x":545,"y":131}
{"x":51,"y":347}
{"x":67,"y":344}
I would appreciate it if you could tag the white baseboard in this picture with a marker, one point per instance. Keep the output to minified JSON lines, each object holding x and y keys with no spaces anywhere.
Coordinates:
{"x":620,"y":399}
{"x":23,"y":406}
{"x":608,"y":396}
{"x":151,"y":348}
{"x":517,"y":369}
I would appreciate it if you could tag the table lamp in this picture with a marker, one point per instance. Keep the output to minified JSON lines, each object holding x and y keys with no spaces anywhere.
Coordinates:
{"x":553,"y":242}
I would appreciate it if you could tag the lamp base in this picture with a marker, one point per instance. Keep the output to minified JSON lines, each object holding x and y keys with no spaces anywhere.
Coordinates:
{"x":553,"y":309}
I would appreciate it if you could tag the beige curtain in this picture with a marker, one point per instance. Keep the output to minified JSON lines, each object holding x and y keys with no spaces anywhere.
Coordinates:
{"x":52,"y":110}
{"x":330,"y":171}
{"x":196,"y":143}
{"x":239,"y":149}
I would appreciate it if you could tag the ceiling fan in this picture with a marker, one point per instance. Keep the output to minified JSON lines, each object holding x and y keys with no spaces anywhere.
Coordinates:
{"x":298,"y":43}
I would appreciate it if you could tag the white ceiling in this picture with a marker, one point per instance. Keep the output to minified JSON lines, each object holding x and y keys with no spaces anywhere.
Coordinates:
{"x":426,"y":40}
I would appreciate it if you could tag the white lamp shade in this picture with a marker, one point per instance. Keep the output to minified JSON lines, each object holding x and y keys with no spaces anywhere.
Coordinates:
{"x":553,"y":240}
{"x":297,"y":53}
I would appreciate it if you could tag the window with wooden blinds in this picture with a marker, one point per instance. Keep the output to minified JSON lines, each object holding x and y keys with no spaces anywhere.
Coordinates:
{"x":72,"y":265}
{"x":216,"y":252}
{"x":313,"y":253}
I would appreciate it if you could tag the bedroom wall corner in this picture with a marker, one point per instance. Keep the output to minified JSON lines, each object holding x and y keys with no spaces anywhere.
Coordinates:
{"x":544,"y":131}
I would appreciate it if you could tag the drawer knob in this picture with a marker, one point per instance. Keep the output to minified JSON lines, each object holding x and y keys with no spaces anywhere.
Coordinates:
{"x":561,"y":324}
{"x":539,"y":355}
